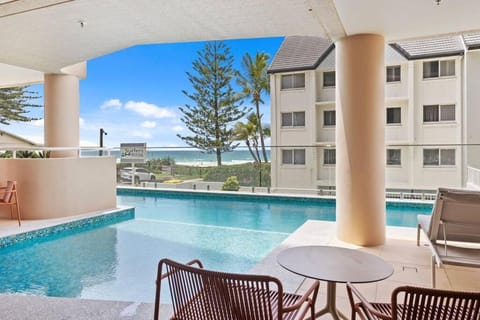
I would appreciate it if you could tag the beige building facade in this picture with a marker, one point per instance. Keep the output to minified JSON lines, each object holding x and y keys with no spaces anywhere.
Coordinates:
{"x":432,"y":106}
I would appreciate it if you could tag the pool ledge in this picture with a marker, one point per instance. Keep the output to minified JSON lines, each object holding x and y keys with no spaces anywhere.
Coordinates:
{"x":11,"y":233}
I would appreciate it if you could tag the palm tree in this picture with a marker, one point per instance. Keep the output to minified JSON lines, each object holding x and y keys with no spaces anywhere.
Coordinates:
{"x":254,"y":82}
{"x":247,"y":132}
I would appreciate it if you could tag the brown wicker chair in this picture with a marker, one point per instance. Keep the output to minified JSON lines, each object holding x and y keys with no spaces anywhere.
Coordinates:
{"x":197,"y":294}
{"x":418,"y":303}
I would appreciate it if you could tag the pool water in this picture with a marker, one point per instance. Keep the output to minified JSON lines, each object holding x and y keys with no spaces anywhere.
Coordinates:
{"x":118,"y":262}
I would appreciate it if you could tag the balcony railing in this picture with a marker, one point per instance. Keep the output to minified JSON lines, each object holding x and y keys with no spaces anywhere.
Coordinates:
{"x":15,"y":151}
{"x":413,"y":172}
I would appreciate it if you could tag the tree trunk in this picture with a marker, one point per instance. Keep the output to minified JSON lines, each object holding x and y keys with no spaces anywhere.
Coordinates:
{"x":219,"y":157}
{"x":262,"y":141}
{"x":251,"y":151}
{"x":255,"y":144}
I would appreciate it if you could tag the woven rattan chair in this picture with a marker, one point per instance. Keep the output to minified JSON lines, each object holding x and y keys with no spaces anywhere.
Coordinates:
{"x":415,"y":303}
{"x":9,"y":197}
{"x":197,"y":294}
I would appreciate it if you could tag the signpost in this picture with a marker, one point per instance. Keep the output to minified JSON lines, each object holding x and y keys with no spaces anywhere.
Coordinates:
{"x":133,"y":153}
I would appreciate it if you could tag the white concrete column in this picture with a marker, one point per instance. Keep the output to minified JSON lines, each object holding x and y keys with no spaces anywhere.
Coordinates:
{"x":360,"y":139}
{"x":61,"y":93}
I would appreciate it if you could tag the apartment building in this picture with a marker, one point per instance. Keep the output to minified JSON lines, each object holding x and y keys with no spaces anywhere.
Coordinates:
{"x":432,"y":113}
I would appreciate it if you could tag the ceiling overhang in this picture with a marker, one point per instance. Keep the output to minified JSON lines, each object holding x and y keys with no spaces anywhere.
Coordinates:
{"x":47,"y":35}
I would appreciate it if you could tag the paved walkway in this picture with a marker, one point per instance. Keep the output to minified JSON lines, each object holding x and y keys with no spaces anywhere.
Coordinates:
{"x":17,"y":307}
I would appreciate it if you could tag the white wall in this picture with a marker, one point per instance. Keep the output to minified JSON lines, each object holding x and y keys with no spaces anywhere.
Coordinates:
{"x":411,"y":94}
{"x":324,"y":134}
{"x":472,"y":109}
{"x":61,"y":187}
{"x":326,"y":173}
{"x":294,"y":176}
{"x":323,"y":93}
{"x":398,"y":176}
{"x":395,"y":133}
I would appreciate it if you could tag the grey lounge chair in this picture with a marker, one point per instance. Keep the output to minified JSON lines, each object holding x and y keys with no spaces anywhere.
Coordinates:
{"x":453,"y":229}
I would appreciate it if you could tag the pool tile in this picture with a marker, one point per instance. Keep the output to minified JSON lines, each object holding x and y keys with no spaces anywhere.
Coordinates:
{"x":87,"y":223}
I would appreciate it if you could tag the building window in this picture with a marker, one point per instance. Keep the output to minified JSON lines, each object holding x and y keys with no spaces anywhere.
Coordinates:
{"x":329,"y":79}
{"x":436,"y":69}
{"x":329,"y":157}
{"x":438,"y":157}
{"x":329,"y":119}
{"x":394,"y":157}
{"x":438,"y":113}
{"x":394,"y":115}
{"x":447,"y":68}
{"x":293,"y":119}
{"x":393,"y":74}
{"x":293,"y":156}
{"x":293,"y":81}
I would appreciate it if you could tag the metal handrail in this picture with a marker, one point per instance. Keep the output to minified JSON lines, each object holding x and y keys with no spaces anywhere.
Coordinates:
{"x":16,"y":148}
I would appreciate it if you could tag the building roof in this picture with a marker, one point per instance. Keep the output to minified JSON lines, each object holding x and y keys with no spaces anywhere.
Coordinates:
{"x":307,"y":53}
{"x":472,"y":40}
{"x":300,"y":53}
{"x":7,"y":138}
{"x":430,"y":48}
{"x":438,"y":47}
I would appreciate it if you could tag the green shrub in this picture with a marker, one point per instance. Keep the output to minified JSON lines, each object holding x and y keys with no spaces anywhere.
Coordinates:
{"x":231,"y":184}
{"x":248,"y":174}
{"x":190,"y":171}
{"x":155,"y":165}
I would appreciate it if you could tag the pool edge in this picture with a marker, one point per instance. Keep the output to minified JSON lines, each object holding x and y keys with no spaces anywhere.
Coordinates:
{"x":89,"y":221}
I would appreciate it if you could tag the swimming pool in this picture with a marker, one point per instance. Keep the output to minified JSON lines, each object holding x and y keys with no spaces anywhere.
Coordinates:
{"x":118,"y":261}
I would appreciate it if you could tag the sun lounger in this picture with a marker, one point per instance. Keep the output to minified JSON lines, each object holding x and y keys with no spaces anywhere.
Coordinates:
{"x":453,"y":229}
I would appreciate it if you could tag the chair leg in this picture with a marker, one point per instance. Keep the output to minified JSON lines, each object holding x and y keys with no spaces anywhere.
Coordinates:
{"x":18,"y":208}
{"x":312,"y":310}
{"x":433,"y":272}
{"x":18,"y":215}
{"x":418,"y":235}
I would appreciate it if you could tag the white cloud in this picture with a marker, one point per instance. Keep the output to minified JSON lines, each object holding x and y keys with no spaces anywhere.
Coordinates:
{"x":149,"y":124}
{"x":38,"y":123}
{"x":149,"y":110}
{"x":88,"y":143}
{"x":140,"y":134}
{"x":81,"y":122}
{"x":36,"y":139}
{"x":111,"y":104}
{"x":177,"y":128}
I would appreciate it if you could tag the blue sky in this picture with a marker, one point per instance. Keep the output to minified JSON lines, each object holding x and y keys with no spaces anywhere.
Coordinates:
{"x":134,"y":94}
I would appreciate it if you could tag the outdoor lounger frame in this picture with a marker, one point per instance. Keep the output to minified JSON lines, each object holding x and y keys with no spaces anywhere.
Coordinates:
{"x":453,"y":229}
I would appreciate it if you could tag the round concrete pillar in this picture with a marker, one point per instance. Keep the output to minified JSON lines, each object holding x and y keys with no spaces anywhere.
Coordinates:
{"x":61,"y":113}
{"x":360,"y":139}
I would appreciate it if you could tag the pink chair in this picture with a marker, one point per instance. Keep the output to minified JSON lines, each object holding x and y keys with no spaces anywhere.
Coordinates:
{"x":198,"y":293}
{"x":9,"y":197}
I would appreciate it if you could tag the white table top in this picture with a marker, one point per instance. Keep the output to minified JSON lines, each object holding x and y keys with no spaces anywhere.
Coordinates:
{"x":334,"y":264}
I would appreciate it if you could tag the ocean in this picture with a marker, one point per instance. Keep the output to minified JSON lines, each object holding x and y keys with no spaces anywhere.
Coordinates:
{"x":192,"y":157}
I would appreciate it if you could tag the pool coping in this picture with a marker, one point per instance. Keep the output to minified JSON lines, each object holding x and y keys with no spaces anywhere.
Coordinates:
{"x":67,"y":225}
{"x":248,"y":195}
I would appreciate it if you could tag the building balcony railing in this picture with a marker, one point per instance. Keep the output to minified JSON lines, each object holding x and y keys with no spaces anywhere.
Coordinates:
{"x":413,"y":172}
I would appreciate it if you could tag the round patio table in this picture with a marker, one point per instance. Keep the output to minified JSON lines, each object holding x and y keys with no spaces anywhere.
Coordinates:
{"x":334,"y":264}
